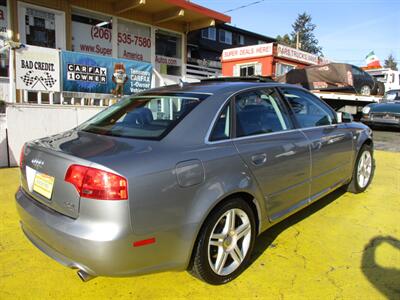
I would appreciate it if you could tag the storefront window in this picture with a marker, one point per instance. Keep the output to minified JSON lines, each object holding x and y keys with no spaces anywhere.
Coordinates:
{"x":209,"y":33}
{"x":282,"y":69}
{"x":91,"y":34}
{"x":3,"y":28}
{"x":134,"y":41}
{"x":225,"y":37}
{"x":40,"y":26}
{"x":247,"y":70}
{"x":168,"y":53}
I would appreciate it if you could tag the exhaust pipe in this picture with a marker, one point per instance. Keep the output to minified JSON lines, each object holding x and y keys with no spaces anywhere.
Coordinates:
{"x":85,"y":277}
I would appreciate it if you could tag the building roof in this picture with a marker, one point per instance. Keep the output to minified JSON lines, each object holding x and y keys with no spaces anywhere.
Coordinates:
{"x":180,"y":15}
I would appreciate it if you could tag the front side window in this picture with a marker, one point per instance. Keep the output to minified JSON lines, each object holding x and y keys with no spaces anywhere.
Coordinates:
{"x":357,"y":71}
{"x":225,"y":37}
{"x":309,"y":110}
{"x":143,"y":117}
{"x":259,"y":112}
{"x":209,"y":33}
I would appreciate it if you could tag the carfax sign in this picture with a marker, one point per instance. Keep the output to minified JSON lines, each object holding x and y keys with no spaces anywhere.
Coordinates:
{"x":104,"y":75}
{"x":37,"y":69}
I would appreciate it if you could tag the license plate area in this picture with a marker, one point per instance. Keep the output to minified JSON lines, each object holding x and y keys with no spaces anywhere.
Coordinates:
{"x":43,"y":184}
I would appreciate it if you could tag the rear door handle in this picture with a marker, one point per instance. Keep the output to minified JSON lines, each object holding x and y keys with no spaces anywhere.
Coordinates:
{"x":259,"y":159}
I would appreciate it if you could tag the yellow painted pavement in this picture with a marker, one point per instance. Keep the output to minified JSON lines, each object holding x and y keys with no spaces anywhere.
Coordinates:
{"x":342,"y":247}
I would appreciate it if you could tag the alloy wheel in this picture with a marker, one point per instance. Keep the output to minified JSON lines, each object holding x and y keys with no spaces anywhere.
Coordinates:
{"x":364,"y":169}
{"x":229,"y":241}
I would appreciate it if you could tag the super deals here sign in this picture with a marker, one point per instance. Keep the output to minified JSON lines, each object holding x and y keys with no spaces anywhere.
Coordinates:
{"x":38,"y":69}
{"x":247,"y":52}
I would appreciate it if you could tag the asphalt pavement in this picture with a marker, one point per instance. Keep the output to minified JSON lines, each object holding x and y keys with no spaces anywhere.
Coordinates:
{"x":387,"y":140}
{"x":344,"y":246}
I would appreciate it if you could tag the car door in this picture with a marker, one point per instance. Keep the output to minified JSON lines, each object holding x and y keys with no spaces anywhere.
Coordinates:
{"x":331,"y":143}
{"x":277,"y":154}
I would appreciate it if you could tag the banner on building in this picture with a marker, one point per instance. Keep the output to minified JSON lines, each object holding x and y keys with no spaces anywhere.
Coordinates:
{"x":104,"y":75}
{"x":38,"y":69}
{"x":296,"y":54}
{"x":247,"y":52}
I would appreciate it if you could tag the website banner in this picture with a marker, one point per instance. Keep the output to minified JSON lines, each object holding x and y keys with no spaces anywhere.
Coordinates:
{"x":104,"y":75}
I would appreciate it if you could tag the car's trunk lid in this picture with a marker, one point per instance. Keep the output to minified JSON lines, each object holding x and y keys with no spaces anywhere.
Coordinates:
{"x":52,"y":156}
{"x":43,"y":176}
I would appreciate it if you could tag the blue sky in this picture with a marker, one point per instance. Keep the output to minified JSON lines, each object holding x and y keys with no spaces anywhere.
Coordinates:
{"x":346,"y":29}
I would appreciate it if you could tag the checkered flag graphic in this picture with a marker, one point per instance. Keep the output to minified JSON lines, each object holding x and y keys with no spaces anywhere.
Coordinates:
{"x":48,"y":81}
{"x":28,"y":79}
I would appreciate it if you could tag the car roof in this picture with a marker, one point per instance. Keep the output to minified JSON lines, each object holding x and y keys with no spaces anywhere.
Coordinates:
{"x":213,"y":87}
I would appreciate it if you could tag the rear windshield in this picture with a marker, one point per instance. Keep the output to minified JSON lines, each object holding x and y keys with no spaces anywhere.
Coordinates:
{"x":143,"y":117}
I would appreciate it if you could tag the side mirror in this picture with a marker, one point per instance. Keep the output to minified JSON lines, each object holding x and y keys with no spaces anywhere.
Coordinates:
{"x":344,"y":117}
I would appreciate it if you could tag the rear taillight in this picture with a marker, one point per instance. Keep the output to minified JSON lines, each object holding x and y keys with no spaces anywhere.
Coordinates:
{"x":22,"y":157}
{"x":97,"y":184}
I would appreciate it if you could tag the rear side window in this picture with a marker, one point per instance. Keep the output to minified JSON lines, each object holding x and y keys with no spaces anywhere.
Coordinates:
{"x":221,"y":130}
{"x":259,"y":112}
{"x":145,"y":117}
{"x":308,"y":109}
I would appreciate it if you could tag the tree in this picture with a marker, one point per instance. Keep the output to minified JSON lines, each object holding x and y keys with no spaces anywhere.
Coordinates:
{"x":285,"y":40}
{"x":391,"y":63}
{"x":305,"y":28}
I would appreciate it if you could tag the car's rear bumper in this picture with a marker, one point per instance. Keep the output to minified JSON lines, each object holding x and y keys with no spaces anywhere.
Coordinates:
{"x":100,"y":249}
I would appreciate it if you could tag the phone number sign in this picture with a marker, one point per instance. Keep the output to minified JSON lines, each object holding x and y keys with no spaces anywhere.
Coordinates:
{"x":133,"y":40}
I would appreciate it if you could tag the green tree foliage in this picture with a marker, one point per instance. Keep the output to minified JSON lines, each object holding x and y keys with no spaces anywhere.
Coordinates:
{"x":285,"y":40}
{"x":305,"y":28}
{"x":391,"y":63}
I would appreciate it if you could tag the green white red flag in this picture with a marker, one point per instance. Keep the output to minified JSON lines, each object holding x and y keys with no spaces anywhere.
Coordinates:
{"x":372,"y":60}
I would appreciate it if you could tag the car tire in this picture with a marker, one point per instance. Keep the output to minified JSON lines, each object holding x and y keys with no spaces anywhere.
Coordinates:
{"x":365,"y":90}
{"x":363,"y":172}
{"x":380,"y":90}
{"x":224,"y":248}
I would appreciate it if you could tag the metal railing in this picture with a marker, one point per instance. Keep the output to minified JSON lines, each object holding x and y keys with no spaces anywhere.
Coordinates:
{"x":197,"y":71}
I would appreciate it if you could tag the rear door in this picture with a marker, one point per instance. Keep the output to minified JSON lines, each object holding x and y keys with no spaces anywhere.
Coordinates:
{"x":277,"y":154}
{"x":331,"y":143}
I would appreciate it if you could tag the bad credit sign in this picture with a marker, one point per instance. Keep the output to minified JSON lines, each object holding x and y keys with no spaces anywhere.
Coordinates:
{"x":247,"y":52}
{"x":37,"y":69}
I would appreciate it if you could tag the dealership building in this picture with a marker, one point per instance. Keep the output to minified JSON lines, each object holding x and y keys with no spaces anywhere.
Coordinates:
{"x":150,"y":32}
{"x":269,"y":59}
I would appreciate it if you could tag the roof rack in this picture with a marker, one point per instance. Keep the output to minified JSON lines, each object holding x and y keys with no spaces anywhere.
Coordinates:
{"x":239,"y":78}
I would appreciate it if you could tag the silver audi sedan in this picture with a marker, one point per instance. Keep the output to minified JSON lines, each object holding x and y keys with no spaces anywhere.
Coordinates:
{"x":185,"y":177}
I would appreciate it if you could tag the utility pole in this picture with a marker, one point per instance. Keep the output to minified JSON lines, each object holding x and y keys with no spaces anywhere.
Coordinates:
{"x":298,"y":45}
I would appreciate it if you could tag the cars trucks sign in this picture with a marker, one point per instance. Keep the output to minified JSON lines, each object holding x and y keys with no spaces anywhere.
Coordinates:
{"x":298,"y":55}
{"x":247,"y":52}
{"x":37,"y":69}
